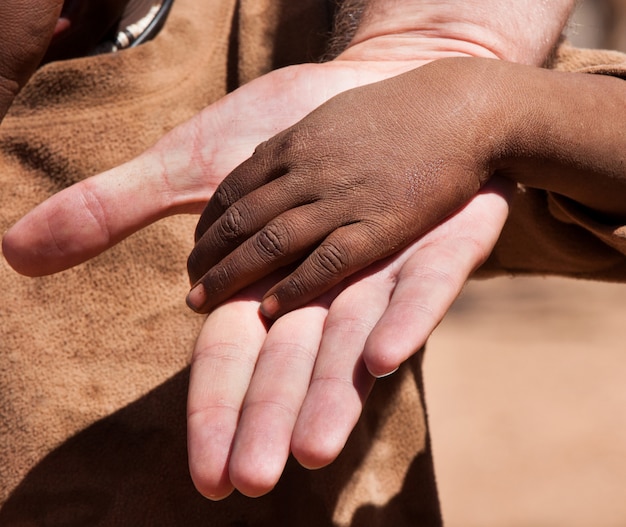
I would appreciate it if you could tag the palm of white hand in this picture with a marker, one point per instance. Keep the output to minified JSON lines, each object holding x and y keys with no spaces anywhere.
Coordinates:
{"x":181,"y":171}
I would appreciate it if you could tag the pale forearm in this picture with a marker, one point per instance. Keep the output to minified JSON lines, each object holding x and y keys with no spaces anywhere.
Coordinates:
{"x":524,"y":31}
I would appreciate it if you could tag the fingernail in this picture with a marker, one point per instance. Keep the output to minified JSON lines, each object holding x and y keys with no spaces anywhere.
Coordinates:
{"x":196,"y":298}
{"x":269,"y":306}
{"x":382,"y":375}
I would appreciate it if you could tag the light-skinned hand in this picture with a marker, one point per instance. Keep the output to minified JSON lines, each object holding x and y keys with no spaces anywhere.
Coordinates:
{"x":300,"y":385}
{"x":178,"y":175}
{"x":361,"y":326}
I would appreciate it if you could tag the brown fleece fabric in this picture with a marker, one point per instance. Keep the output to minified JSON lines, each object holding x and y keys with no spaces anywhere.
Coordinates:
{"x":94,"y":370}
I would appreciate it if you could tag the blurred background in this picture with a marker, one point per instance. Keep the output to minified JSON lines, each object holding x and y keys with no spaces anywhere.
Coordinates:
{"x":526,"y":385}
{"x":599,"y":24}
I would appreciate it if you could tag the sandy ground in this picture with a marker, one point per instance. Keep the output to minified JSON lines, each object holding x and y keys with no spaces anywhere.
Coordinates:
{"x":526,"y":388}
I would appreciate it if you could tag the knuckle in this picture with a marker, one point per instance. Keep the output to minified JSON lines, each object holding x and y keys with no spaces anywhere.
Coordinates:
{"x":286,"y":141}
{"x":282,"y":143}
{"x":433,"y":274}
{"x":478,"y":249}
{"x":289,"y":145}
{"x":232,"y":224}
{"x":420,"y":310}
{"x":225,"y":195}
{"x":261,"y":148}
{"x":330,"y":260}
{"x":273,"y":241}
{"x":217,"y":280}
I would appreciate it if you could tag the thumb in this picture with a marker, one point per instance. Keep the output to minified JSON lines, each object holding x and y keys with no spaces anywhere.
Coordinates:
{"x":176,"y":176}
{"x":89,"y":217}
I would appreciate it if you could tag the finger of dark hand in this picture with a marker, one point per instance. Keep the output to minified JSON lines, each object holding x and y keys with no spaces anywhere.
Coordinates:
{"x":243,"y":219}
{"x":257,"y":170}
{"x":344,"y":252}
{"x":281,"y":242}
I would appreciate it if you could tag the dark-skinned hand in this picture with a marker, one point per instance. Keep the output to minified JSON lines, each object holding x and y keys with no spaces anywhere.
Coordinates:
{"x":26,"y":28}
{"x":353,"y":182}
{"x":33,"y":32}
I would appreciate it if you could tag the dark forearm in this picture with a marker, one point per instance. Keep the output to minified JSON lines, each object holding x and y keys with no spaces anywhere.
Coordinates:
{"x":25,"y":31}
{"x":567,"y":134}
{"x":556,"y":131}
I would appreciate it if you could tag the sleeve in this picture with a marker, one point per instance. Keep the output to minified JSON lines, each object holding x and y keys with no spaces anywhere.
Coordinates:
{"x":549,"y":234}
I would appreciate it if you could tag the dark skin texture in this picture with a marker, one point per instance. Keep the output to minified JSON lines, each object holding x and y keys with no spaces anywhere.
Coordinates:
{"x":27,"y":41}
{"x":26,"y":28}
{"x":400,"y":167}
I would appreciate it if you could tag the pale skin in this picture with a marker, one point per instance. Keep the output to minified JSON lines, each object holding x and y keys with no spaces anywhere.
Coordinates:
{"x":464,"y":120}
{"x":271,"y":391}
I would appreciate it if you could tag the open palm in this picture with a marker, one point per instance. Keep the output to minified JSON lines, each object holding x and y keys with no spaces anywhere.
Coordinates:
{"x":259,"y":394}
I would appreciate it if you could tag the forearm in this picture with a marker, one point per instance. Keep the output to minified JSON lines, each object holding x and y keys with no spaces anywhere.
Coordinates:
{"x":524,"y":31}
{"x":25,"y":31}
{"x":567,"y":134}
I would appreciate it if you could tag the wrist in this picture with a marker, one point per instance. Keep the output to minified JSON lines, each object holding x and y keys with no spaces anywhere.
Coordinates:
{"x":525,"y":31}
{"x":563,"y":137}
{"x":413,"y":46}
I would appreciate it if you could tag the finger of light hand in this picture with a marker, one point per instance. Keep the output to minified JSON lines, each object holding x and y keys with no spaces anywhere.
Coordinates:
{"x":437,"y":267}
{"x":222,"y":366}
{"x":278,"y":388}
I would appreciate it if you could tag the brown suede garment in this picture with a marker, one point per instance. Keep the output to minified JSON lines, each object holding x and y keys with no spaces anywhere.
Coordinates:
{"x":94,"y":369}
{"x":94,"y":361}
